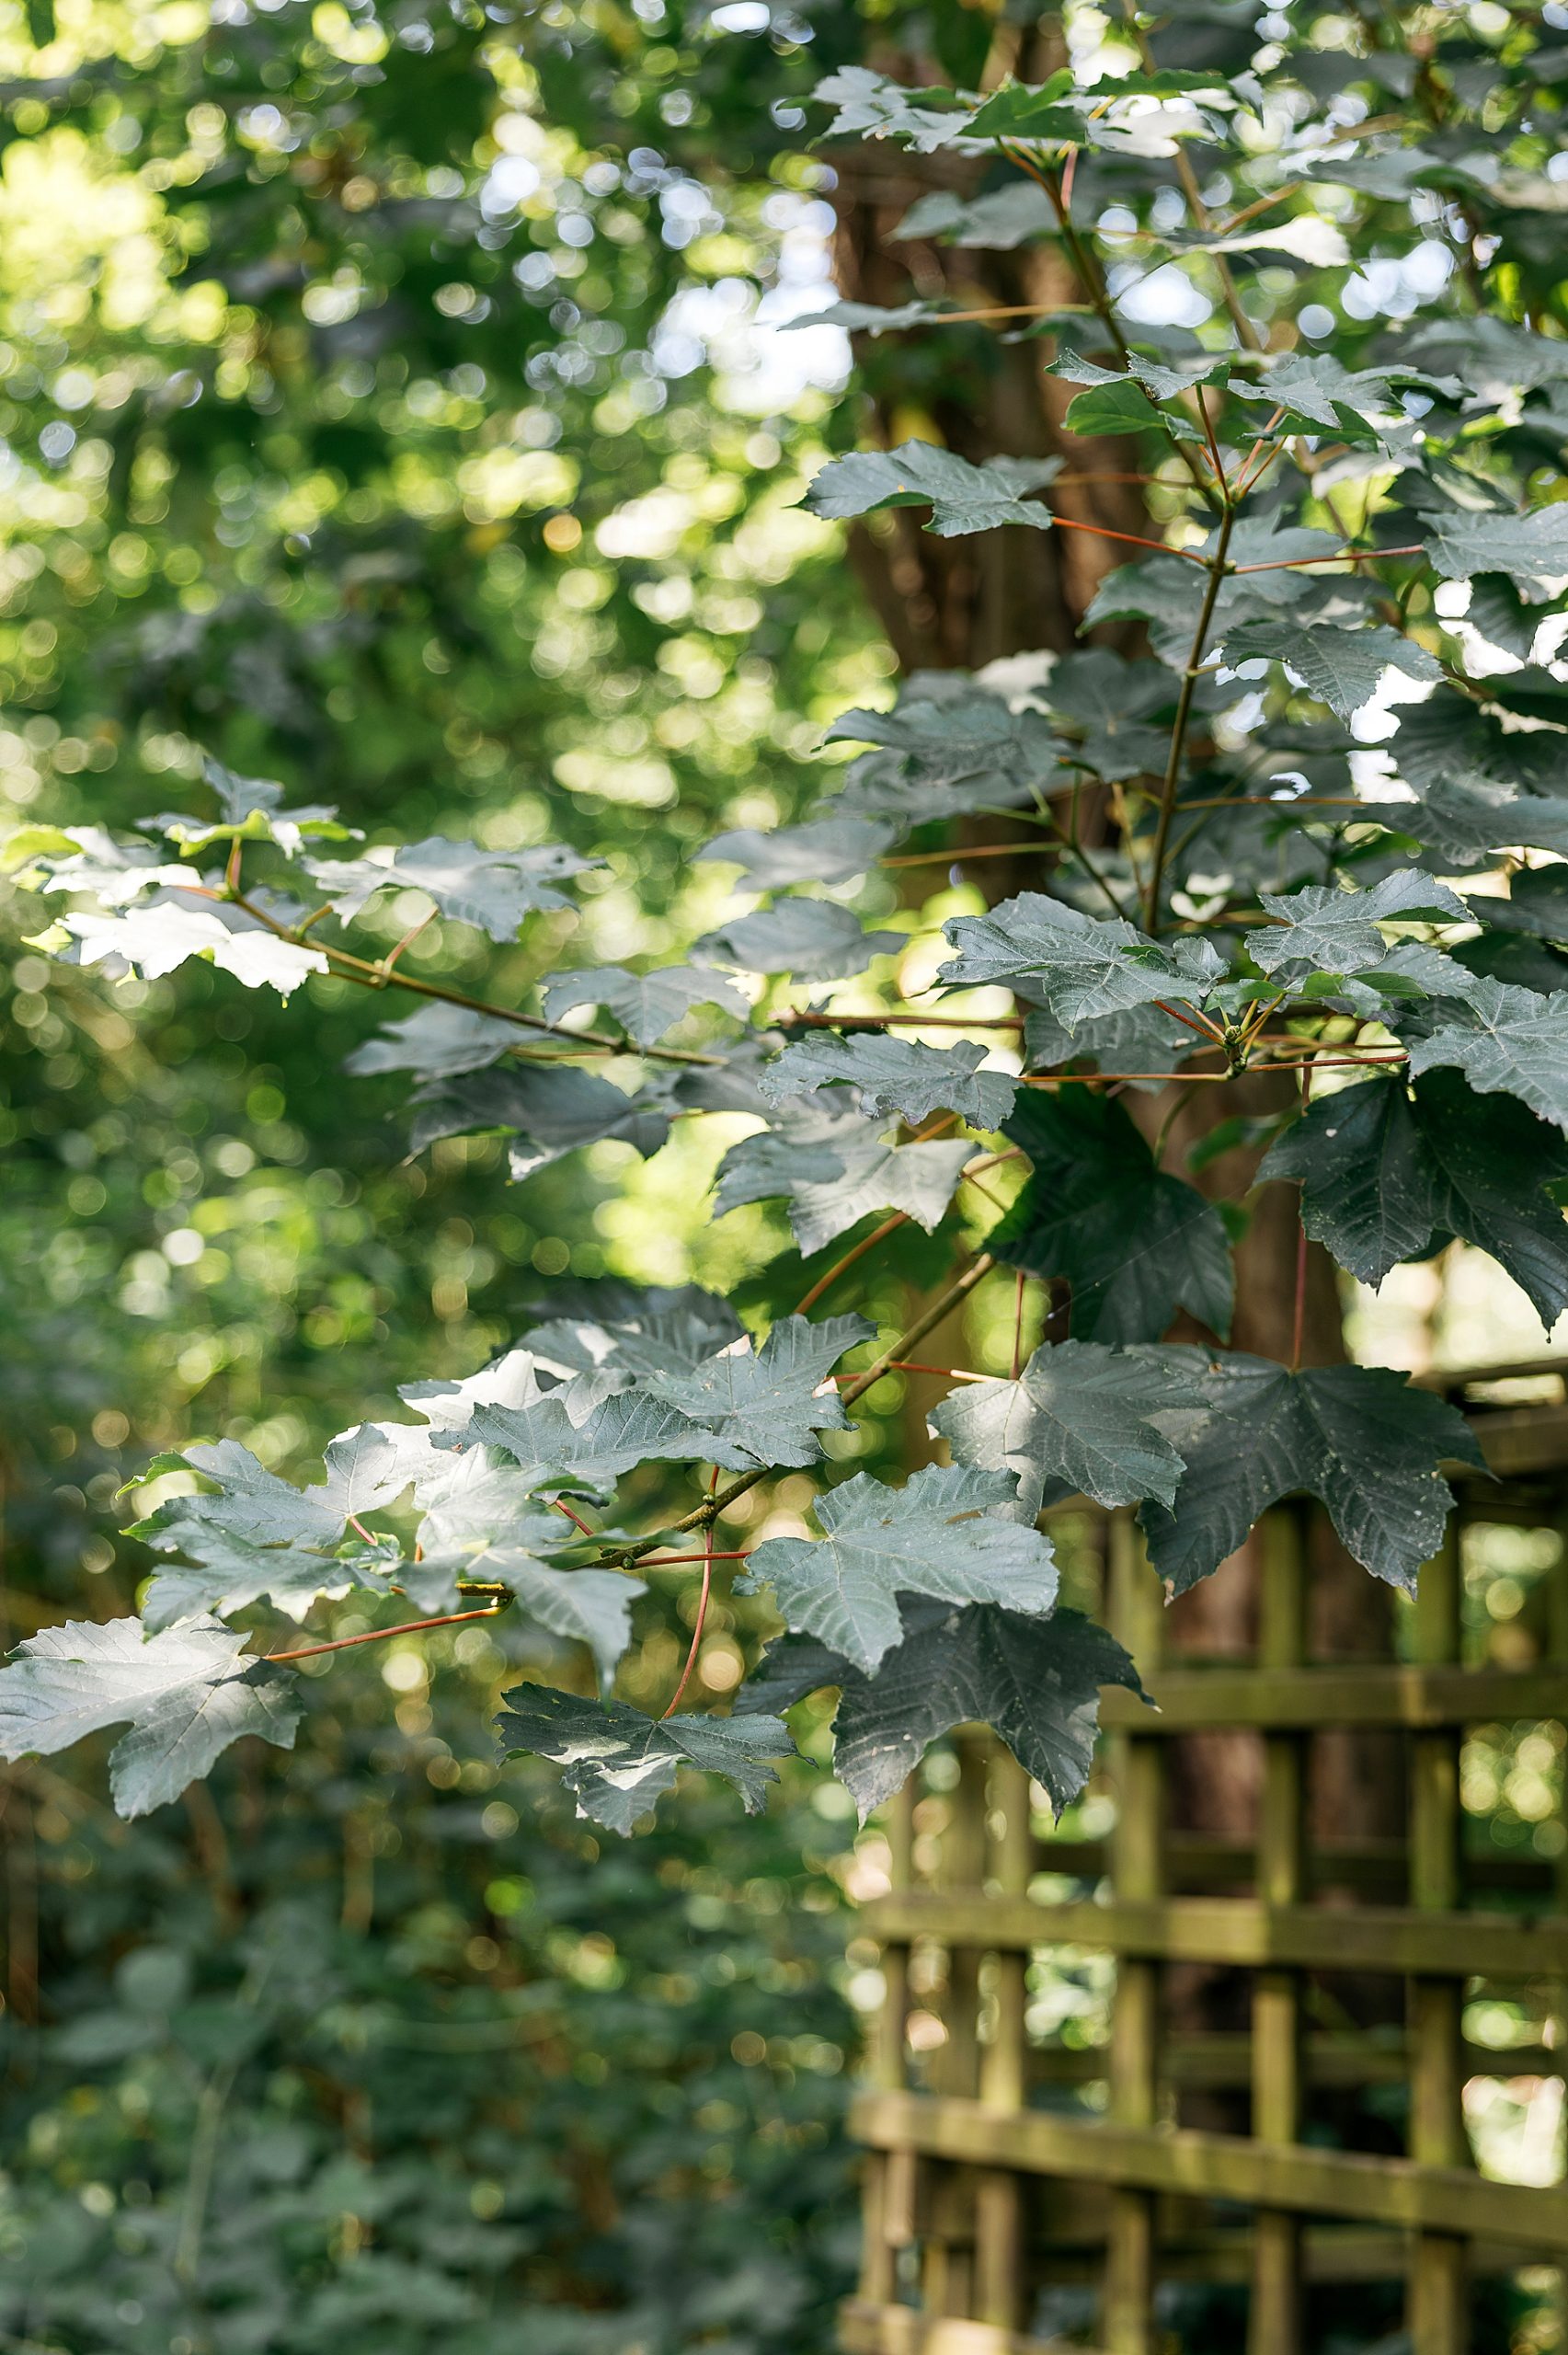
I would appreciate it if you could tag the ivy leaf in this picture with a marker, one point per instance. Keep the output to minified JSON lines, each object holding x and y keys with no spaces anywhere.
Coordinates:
{"x":827,"y":850}
{"x":438,"y":1042}
{"x":1360,"y":1439}
{"x":1532,"y":550}
{"x":1079,"y":1416}
{"x":156,"y":940}
{"x":815,"y":938}
{"x":1384,"y":1176}
{"x":962,"y":497}
{"x":896,"y":1075}
{"x":617,"y":1763}
{"x":1342,"y":667}
{"x":1506,"y":1042}
{"x":550,"y":1109}
{"x":251,"y":810}
{"x":1086,"y":966}
{"x":1035,"y":1681}
{"x":833,"y":1170}
{"x":185,"y":1695}
{"x":646,"y":1005}
{"x":492,"y":889}
{"x":1336,"y":931}
{"x":1135,"y":1243}
{"x":934,"y":1537}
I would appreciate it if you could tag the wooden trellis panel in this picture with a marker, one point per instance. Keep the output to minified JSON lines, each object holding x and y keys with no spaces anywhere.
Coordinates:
{"x":989,"y":2175}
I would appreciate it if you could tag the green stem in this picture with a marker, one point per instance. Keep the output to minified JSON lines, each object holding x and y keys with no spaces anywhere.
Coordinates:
{"x":1179,"y":726}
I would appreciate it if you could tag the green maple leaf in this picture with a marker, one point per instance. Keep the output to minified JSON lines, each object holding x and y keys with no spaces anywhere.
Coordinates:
{"x":1135,"y":1243}
{"x":1343,"y":667}
{"x":896,"y":1075}
{"x":1386,"y":1174}
{"x":617,"y":1763}
{"x":1361,"y":1440}
{"x":1035,"y":1681}
{"x":962,"y":497}
{"x":936,"y":1535}
{"x":1079,"y":1416}
{"x":492,"y":889}
{"x":184,"y":1697}
{"x":1506,"y":1042}
{"x":1084,"y":966}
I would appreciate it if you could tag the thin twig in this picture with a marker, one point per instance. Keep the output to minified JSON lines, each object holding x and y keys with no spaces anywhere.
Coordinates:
{"x":380,"y":1635}
{"x":1179,"y":726}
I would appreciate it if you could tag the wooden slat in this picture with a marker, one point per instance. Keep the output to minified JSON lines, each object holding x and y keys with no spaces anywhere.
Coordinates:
{"x":1521,"y":1441}
{"x":1243,"y":1932}
{"x":1137,"y":1769}
{"x":865,"y":2329}
{"x":1396,"y":2192}
{"x":1360,"y":1693}
{"x":1439,"y":2302}
{"x":1338,"y":2058}
{"x":1377,"y":1865}
{"x":1275,"y":2318}
{"x":999,"y":2205}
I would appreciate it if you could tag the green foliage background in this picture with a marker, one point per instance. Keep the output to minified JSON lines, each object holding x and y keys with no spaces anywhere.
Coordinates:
{"x":360,"y":2054}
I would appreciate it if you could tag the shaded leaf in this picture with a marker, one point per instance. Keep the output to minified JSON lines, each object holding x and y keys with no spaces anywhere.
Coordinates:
{"x":437,"y":1042}
{"x":1532,"y":550}
{"x":551,"y":1110}
{"x":1335,"y":931}
{"x":1135,"y":1243}
{"x":1035,"y":1681}
{"x":250,"y":809}
{"x":1085,"y":966}
{"x":1342,"y":667}
{"x":617,"y":1763}
{"x":1361,"y":1440}
{"x":1385,"y":1176}
{"x":1506,"y":1042}
{"x":999,"y":221}
{"x":833,"y":1169}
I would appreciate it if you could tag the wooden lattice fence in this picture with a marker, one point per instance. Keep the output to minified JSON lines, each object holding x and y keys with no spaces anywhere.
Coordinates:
{"x":1002,"y":2162}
